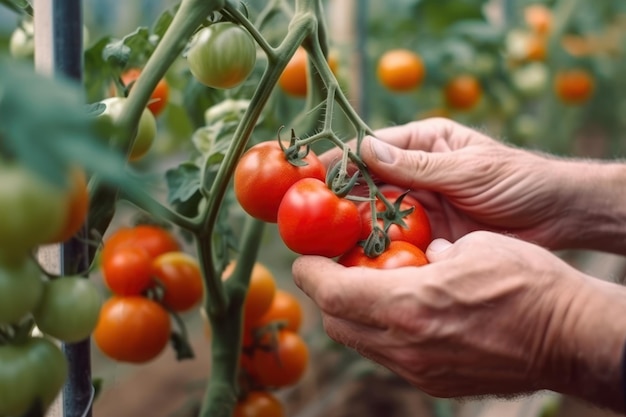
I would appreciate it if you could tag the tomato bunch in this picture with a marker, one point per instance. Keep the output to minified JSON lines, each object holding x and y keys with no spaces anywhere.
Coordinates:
{"x":150,"y":277}
{"x":274,"y":355}
{"x":36,"y":212}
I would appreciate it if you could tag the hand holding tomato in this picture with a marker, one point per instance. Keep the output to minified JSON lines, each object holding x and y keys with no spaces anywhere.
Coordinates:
{"x":489,"y":315}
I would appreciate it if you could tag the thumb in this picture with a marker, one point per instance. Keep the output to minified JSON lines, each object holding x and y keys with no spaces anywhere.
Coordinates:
{"x":436,"y":251}
{"x":406,"y":168}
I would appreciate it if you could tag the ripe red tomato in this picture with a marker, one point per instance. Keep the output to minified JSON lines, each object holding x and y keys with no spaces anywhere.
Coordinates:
{"x":180,"y":275}
{"x":132,"y":329}
{"x":259,"y":404}
{"x":160,"y":95}
{"x":282,"y":365}
{"x":153,"y":239}
{"x":397,"y":255}
{"x":418,"y":231}
{"x":312,"y":220}
{"x":127,"y":271}
{"x":285,"y":307}
{"x":263,"y":175}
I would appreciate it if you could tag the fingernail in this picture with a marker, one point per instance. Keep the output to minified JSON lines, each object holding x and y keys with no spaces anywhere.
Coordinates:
{"x":382,"y":151}
{"x":439,"y":245}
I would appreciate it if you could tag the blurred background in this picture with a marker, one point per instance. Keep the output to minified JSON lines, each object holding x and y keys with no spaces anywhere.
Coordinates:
{"x":547,"y":75}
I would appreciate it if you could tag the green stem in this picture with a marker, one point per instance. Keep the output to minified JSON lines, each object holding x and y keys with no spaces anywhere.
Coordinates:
{"x":239,"y":16}
{"x":221,"y":394}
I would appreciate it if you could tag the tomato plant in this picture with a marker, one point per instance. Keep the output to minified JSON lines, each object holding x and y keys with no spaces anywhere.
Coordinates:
{"x":397,"y":255}
{"x":128,"y":270}
{"x":573,"y":86}
{"x":146,"y":130}
{"x":400,"y":70}
{"x":294,"y":78}
{"x":160,"y":96}
{"x":180,"y":276}
{"x":309,"y":211}
{"x":258,"y":404}
{"x":132,"y":329}
{"x":463,"y":92}
{"x":68,"y":309}
{"x":282,"y":361}
{"x":21,"y":289}
{"x":416,"y":230}
{"x":222,"y":55}
{"x":264,"y":174}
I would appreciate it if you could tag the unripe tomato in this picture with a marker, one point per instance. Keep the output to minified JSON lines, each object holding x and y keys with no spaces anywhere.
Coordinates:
{"x":294,"y":78}
{"x":574,"y":86}
{"x":400,"y":70}
{"x":69,"y":309}
{"x":32,"y":210}
{"x":132,"y":329}
{"x":181,"y":278}
{"x":463,"y":92}
{"x":146,"y":130}
{"x":22,"y":42}
{"x":263,"y":175}
{"x":222,"y":55}
{"x":21,"y":289}
{"x":312,"y":220}
{"x":397,"y":255}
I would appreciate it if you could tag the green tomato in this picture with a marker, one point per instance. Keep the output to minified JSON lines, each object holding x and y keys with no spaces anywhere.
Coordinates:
{"x":146,"y":130}
{"x":222,"y":55}
{"x":21,"y":289}
{"x":22,"y":42}
{"x":69,"y":309}
{"x":50,"y":366}
{"x":32,"y":211}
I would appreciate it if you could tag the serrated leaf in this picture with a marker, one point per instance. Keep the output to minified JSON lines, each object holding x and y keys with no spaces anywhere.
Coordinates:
{"x":182,"y":182}
{"x":163,"y":22}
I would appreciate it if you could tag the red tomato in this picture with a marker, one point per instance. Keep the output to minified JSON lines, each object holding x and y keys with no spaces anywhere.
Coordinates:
{"x":180,"y":275}
{"x":312,"y":220}
{"x":397,"y":255}
{"x":417,"y":232}
{"x":127,"y":271}
{"x":263,"y":175}
{"x":132,"y":329}
{"x":259,"y":404}
{"x":285,"y":307}
{"x":159,"y":97}
{"x":154,"y":239}
{"x":282,"y":364}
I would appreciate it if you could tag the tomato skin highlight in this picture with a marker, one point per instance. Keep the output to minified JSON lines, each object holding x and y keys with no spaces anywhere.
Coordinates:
{"x":263,"y":175}
{"x":180,"y":275}
{"x":222,"y":55}
{"x":132,"y":329}
{"x":418,"y":231}
{"x":312,"y":220}
{"x":398,"y":254}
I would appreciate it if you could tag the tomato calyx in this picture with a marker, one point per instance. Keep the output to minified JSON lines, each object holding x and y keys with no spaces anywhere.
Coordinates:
{"x":338,"y":181}
{"x":376,"y":243}
{"x":394,"y":214}
{"x":294,"y":153}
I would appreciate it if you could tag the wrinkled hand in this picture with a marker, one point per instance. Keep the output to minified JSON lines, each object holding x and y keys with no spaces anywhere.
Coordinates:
{"x":468,"y":181}
{"x":485,"y":317}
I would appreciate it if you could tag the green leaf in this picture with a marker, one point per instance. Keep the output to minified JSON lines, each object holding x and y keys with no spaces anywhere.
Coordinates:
{"x":163,"y":22}
{"x":182,"y":182}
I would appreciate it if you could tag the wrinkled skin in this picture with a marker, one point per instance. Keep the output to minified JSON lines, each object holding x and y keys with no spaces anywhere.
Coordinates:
{"x":492,"y":314}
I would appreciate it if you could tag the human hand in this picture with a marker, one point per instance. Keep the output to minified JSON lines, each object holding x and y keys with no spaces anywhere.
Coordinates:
{"x":490,"y":315}
{"x":468,"y":181}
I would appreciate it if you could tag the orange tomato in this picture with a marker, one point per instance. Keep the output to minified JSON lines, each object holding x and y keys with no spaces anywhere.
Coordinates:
{"x":293,"y":80}
{"x":400,"y":70}
{"x":260,"y":293}
{"x":153,"y":239}
{"x":259,"y":404}
{"x":132,"y":329}
{"x":536,"y":48}
{"x":574,"y":86}
{"x":77,"y":208}
{"x":538,"y":18}
{"x":285,"y":307}
{"x":282,"y":364}
{"x":180,"y":275}
{"x":160,"y":95}
{"x":127,"y":271}
{"x":462,"y":92}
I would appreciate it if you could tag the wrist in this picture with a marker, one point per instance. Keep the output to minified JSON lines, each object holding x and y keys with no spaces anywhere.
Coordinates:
{"x":590,"y":345}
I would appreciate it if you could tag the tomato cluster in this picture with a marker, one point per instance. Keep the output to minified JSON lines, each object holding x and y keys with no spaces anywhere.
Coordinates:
{"x":274,"y":355}
{"x":149,"y":276}
{"x":36,"y":212}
